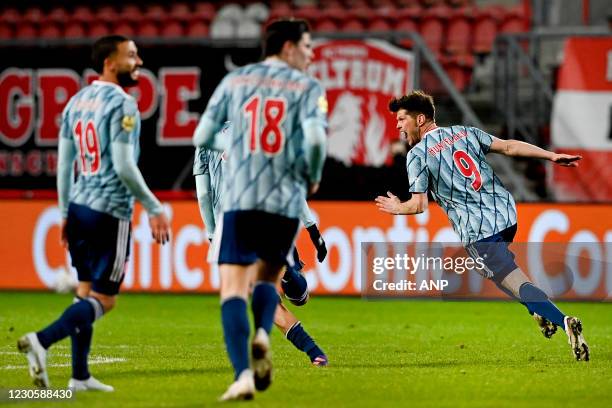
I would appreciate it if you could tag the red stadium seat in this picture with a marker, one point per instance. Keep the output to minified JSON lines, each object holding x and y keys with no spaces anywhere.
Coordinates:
{"x":58,"y":15}
{"x":98,"y":29}
{"x":326,"y":25}
{"x":379,"y":24}
{"x":148,"y":29}
{"x":154,"y":13}
{"x":363,"y":14}
{"x":514,"y":22}
{"x":33,"y":15}
{"x":432,"y":31}
{"x":107,"y":14}
{"x":197,"y":29}
{"x":173,"y":29}
{"x":459,"y":33}
{"x":180,"y":12}
{"x":74,"y":29}
{"x":485,"y":31}
{"x":124,"y":28}
{"x":280,"y":10}
{"x":406,"y":26}
{"x":459,"y":71}
{"x":203,"y":12}
{"x":6,"y":31}
{"x":409,"y":13}
{"x":458,"y":3}
{"x":10,"y":15}
{"x":337,"y":14}
{"x":50,"y":31}
{"x":352,"y":26}
{"x":83,"y":14}
{"x":26,"y":31}
{"x":131,"y":13}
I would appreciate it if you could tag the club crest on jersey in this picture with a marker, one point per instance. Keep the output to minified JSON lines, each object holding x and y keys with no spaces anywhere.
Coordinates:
{"x":322,"y":103}
{"x":128,"y":123}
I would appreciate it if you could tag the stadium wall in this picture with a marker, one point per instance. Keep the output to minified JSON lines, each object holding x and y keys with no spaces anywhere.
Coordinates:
{"x":32,"y":258}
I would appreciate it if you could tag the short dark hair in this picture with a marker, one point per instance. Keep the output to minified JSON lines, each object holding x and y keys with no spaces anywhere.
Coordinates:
{"x":280,"y":31}
{"x":416,"y":102}
{"x":103,"y":48}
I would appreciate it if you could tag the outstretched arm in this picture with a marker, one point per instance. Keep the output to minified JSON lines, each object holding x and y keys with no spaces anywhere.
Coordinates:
{"x":392,"y":204}
{"x":516,"y":148}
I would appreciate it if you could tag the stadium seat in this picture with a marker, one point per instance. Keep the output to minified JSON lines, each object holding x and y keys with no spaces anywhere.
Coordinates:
{"x":83,"y":14}
{"x":57,"y":15}
{"x":124,"y":28}
{"x":485,"y":31}
{"x":325,"y":25}
{"x":352,"y":25}
{"x":26,"y":31}
{"x":257,"y":11}
{"x":173,"y":29}
{"x":222,"y":29}
{"x":74,"y":29}
{"x":147,"y":29}
{"x":432,"y":30}
{"x":180,"y":12}
{"x":97,"y":29}
{"x":33,"y":15}
{"x":248,"y":29}
{"x":154,"y":13}
{"x":459,"y":32}
{"x":230,"y":11}
{"x":406,"y":26}
{"x":280,"y":10}
{"x":198,"y":29}
{"x":50,"y":31}
{"x":130,"y":13}
{"x":458,"y":3}
{"x":379,"y":24}
{"x":6,"y":31}
{"x":514,"y":22}
{"x":107,"y":14}
{"x":338,"y":14}
{"x":409,"y":13}
{"x":10,"y":16}
{"x":459,"y":69}
{"x":204,"y":11}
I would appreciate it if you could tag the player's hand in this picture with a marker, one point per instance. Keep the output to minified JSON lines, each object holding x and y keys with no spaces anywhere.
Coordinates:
{"x":64,"y":233}
{"x":318,"y":242}
{"x":566,"y":160}
{"x":390,"y":204}
{"x":160,"y":228}
{"x":313,"y":189}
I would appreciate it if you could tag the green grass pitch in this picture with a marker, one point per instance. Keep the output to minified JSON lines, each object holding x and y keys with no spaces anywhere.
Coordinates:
{"x":164,"y":350}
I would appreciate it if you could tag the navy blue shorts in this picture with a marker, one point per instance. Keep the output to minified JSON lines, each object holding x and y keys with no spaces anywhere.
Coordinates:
{"x":249,"y":235}
{"x":497,"y":258}
{"x":99,"y":246}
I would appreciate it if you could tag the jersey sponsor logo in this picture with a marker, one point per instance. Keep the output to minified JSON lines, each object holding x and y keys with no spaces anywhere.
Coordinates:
{"x":128,"y":123}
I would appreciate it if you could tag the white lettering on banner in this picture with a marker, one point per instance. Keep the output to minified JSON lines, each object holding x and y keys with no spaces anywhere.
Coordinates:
{"x":188,"y":278}
{"x":50,"y":217}
{"x":142,"y":235}
{"x":374,"y":76}
{"x":335,"y":281}
{"x":550,"y":220}
{"x":584,"y":241}
{"x":165,"y":258}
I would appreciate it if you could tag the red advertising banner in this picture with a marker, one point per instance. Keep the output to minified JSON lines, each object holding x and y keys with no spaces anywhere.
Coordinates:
{"x":582,"y":120}
{"x":360,"y":78}
{"x":33,"y":259}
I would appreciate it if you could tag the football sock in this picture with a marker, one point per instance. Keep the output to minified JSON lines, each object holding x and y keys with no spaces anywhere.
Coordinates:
{"x":302,"y":341}
{"x":236,"y":332}
{"x":77,"y":316}
{"x":81,"y":344}
{"x":263,"y":304}
{"x":537,"y":301}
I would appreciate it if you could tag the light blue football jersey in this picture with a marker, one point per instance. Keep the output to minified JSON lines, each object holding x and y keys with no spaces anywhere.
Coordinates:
{"x":267,"y":103}
{"x":211,"y":162}
{"x":97,"y":115}
{"x":450,"y":162}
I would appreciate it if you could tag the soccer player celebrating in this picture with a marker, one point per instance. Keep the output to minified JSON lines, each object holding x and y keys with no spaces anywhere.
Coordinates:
{"x":100,"y":129}
{"x":208,"y":172}
{"x":450,"y":163}
{"x":276,"y":151}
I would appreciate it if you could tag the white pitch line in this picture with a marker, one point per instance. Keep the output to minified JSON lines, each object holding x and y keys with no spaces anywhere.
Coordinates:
{"x":95,"y":360}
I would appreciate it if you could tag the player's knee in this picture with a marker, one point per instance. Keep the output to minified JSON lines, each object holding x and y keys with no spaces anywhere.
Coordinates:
{"x":83,"y":289}
{"x":107,"y":301}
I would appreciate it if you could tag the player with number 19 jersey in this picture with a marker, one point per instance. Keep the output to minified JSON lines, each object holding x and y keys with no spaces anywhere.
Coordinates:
{"x":268,"y":103}
{"x":450,"y":162}
{"x":96,"y":116}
